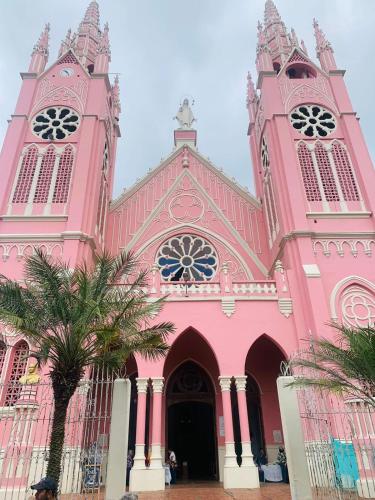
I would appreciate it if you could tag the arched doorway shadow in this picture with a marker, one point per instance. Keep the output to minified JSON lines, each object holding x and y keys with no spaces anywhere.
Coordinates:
{"x":191,"y":372}
{"x":191,"y":422}
{"x":262,"y":368}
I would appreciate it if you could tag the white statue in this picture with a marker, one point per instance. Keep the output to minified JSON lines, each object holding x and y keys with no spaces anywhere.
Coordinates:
{"x":185,"y":115}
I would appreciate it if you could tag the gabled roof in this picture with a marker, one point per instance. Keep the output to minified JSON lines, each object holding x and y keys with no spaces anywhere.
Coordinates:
{"x":243,"y":192}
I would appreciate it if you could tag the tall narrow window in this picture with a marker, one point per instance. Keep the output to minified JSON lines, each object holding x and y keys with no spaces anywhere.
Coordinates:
{"x":18,"y":368}
{"x":326,"y":174}
{"x":25,"y":176}
{"x":45,"y":176}
{"x":345,"y":173}
{"x":3,"y":351}
{"x":64,"y":174}
{"x":310,"y":180}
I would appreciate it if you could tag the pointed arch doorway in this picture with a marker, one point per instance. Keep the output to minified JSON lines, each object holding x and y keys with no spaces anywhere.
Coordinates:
{"x":190,"y":422}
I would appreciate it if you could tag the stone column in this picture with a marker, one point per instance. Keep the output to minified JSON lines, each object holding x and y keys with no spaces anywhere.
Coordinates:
{"x":247,"y":456}
{"x":230,"y":455}
{"x":156,"y":458}
{"x":139,"y":458}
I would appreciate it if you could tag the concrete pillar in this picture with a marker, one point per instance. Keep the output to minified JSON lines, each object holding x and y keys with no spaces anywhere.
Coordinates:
{"x":139,"y":458}
{"x":156,"y":458}
{"x":230,"y":455}
{"x":294,"y":441}
{"x":118,"y":440}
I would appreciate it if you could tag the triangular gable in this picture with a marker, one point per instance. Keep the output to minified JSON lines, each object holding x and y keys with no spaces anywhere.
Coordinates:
{"x":229,"y":212}
{"x":68,"y":57}
{"x":297,"y":55}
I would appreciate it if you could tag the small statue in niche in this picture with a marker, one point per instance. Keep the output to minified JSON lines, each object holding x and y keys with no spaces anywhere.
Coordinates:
{"x":32,"y":376}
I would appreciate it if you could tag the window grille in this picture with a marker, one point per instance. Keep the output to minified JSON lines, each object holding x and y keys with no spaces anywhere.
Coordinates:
{"x":345,"y":173}
{"x":25,"y":177}
{"x":18,"y":369}
{"x":45,"y":176}
{"x":308,"y":174}
{"x":68,"y":59}
{"x":326,"y":174}
{"x":64,"y":173}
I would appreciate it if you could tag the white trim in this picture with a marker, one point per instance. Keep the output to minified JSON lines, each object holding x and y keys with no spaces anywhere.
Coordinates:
{"x":353,"y":278}
{"x":338,"y":215}
{"x":47,"y":208}
{"x":15,"y":181}
{"x":28,"y":218}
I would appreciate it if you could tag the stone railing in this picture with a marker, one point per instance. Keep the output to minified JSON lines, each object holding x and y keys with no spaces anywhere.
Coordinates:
{"x":211,"y":289}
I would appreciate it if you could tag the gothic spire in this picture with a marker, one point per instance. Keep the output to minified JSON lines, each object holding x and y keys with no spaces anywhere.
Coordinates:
{"x":92,"y":14}
{"x":88,"y":36}
{"x":39,"y":56}
{"x":251,"y":98}
{"x":271,"y":14}
{"x":104,"y":52}
{"x":116,"y":97}
{"x":324,"y":49}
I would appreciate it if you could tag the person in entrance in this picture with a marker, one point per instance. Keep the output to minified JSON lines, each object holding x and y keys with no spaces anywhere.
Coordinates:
{"x":172,"y":465}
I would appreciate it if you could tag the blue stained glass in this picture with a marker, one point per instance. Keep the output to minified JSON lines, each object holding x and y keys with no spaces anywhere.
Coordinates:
{"x":206,"y":260}
{"x":164,"y":261}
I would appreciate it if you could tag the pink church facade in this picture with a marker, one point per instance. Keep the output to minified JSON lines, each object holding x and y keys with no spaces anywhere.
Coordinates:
{"x":249,"y":277}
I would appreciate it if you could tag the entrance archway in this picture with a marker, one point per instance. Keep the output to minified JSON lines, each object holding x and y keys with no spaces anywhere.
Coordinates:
{"x":262,"y":368}
{"x":191,"y":422}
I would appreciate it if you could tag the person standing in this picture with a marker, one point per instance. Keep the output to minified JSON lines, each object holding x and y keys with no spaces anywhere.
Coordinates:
{"x":281,"y":460}
{"x":129,"y":465}
{"x":172,"y":465}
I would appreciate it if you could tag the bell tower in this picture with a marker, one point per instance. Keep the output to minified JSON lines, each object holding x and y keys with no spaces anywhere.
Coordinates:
{"x":312,"y":170}
{"x":58,"y":155}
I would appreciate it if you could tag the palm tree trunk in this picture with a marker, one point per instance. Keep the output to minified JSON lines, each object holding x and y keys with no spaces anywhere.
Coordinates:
{"x":57,"y":438}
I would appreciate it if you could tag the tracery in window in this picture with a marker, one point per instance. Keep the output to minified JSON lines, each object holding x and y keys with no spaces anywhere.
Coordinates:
{"x":64,"y":173}
{"x":25,"y":176}
{"x":326,"y":173}
{"x":45,"y":176}
{"x":187,"y":257}
{"x":309,"y":178}
{"x":55,"y":123}
{"x":345,"y":173}
{"x":312,"y":120}
{"x":357,"y":307}
{"x":18,"y":368}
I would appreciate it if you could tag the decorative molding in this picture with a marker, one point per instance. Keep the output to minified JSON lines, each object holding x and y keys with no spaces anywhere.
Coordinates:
{"x":157,"y":384}
{"x":228,"y":306}
{"x":28,"y":248}
{"x":339,"y":215}
{"x":340,"y":245}
{"x":340,"y":285}
{"x":31,"y":218}
{"x":142,"y":384}
{"x":358,"y":306}
{"x":311,"y":270}
{"x":285,"y":306}
{"x":225,"y":383}
{"x":240,"y":381}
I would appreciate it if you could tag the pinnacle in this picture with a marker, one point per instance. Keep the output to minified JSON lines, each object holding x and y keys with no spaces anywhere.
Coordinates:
{"x":271,"y":14}
{"x":92,"y":13}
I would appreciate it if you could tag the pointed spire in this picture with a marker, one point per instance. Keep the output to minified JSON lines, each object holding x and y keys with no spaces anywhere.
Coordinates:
{"x":92,"y":14}
{"x":274,"y":37}
{"x":324,"y":49}
{"x":68,"y":43}
{"x":104,"y":52}
{"x":116,"y":97}
{"x":303,"y":47}
{"x":39,"y":56}
{"x":271,"y":14}
{"x":88,"y":36}
{"x":252,"y":98}
{"x":293,"y":38}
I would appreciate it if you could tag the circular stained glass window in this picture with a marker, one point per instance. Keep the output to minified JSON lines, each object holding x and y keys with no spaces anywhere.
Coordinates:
{"x":313,"y":120}
{"x":55,"y":123}
{"x":187,"y":258}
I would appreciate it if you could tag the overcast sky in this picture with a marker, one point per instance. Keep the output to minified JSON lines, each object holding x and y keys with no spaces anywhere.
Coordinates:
{"x":167,"y":49}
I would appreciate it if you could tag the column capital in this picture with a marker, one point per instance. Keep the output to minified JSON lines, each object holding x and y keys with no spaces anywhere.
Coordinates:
{"x":157,"y":384}
{"x":225,"y":382}
{"x":142,"y":384}
{"x":241,"y":382}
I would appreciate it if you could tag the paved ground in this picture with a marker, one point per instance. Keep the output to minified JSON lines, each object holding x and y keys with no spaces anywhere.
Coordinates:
{"x":216,"y":492}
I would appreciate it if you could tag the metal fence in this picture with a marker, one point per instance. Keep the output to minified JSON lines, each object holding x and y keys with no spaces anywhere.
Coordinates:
{"x":339,"y":436}
{"x":25,"y":428}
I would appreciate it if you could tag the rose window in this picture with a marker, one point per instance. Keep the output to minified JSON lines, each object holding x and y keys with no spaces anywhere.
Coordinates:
{"x":55,"y":123}
{"x":187,"y":258}
{"x":264,"y":154}
{"x":312,"y":120}
{"x":358,"y":307}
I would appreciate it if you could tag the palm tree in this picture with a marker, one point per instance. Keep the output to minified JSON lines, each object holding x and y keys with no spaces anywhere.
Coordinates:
{"x":78,"y":318}
{"x":345,"y":366}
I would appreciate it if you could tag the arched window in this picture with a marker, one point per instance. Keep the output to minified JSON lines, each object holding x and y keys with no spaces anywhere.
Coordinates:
{"x":3,"y":350}
{"x":17,"y":369}
{"x":45,"y":176}
{"x":357,"y":306}
{"x":309,"y":178}
{"x":25,"y":176}
{"x":187,"y":257}
{"x":64,"y":173}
